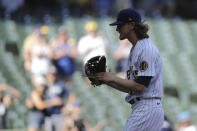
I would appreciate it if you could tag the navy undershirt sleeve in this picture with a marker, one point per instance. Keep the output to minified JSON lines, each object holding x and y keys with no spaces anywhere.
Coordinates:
{"x":144,"y":80}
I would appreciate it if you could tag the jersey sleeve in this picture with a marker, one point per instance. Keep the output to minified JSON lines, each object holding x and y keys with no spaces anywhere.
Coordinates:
{"x":146,"y":62}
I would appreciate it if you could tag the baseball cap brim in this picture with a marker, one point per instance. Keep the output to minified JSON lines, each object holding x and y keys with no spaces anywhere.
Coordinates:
{"x":116,"y":23}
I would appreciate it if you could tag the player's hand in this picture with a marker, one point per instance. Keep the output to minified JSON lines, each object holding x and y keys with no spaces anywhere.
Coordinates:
{"x":106,"y":77}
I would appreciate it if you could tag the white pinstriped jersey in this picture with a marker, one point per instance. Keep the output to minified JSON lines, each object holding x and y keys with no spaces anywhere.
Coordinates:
{"x":145,"y":60}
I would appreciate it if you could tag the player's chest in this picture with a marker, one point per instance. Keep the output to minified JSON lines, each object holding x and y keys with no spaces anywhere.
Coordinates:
{"x":135,"y":66}
{"x":132,"y":72}
{"x":132,"y":69}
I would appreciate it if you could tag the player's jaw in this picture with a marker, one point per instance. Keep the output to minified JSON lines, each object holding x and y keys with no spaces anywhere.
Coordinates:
{"x":123,"y":32}
{"x":121,"y":37}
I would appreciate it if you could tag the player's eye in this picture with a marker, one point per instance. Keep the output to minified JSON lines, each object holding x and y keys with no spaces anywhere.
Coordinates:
{"x":119,"y":26}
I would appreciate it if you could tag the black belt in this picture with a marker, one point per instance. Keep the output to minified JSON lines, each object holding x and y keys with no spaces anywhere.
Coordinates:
{"x":143,"y":98}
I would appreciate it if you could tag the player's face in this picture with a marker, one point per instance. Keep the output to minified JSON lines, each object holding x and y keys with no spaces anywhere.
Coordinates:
{"x":123,"y":30}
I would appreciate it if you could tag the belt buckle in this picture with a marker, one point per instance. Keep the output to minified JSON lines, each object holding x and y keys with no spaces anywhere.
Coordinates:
{"x":132,"y":101}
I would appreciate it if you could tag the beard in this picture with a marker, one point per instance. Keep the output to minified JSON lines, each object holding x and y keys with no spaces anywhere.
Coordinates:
{"x":121,"y":36}
{"x":125,"y":34}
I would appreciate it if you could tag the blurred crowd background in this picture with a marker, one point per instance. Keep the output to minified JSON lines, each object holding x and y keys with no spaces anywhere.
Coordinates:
{"x":96,"y":8}
{"x":45,"y":43}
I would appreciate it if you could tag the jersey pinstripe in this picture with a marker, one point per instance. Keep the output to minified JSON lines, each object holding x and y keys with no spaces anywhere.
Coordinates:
{"x":145,"y":60}
{"x":147,"y":115}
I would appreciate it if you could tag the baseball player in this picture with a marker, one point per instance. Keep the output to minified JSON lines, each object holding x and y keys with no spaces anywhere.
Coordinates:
{"x":144,"y":74}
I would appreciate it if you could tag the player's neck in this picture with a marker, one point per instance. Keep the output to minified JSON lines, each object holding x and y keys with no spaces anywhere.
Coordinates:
{"x":133,"y":39}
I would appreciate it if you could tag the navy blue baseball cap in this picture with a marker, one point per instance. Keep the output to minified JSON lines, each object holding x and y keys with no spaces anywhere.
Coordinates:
{"x":127,"y":15}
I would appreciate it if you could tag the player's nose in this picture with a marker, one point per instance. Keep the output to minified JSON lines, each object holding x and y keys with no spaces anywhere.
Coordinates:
{"x":117,"y":28}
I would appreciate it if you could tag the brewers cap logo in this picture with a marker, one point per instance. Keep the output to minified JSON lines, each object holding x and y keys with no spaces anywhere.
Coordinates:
{"x":130,"y":19}
{"x":143,"y":66}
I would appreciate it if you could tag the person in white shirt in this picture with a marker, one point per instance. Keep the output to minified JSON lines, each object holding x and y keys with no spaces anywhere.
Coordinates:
{"x":92,"y":44}
{"x":41,"y":56}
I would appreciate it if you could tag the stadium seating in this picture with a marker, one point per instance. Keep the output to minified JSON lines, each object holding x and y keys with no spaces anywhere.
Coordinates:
{"x":174,"y":38}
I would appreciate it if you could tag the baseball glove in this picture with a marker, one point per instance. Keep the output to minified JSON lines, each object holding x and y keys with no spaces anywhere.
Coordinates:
{"x":95,"y":65}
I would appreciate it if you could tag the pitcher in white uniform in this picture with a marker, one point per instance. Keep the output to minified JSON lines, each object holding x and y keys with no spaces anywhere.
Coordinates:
{"x":144,"y":75}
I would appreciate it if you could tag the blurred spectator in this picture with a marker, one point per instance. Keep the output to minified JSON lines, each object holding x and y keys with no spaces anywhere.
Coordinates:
{"x":76,"y":123}
{"x":167,"y":125}
{"x":28,"y":44}
{"x":56,"y":90}
{"x":64,"y":54}
{"x":120,"y":55}
{"x":40,"y":54}
{"x":6,"y":101}
{"x":184,"y":122}
{"x":92,"y":44}
{"x":37,"y":104}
